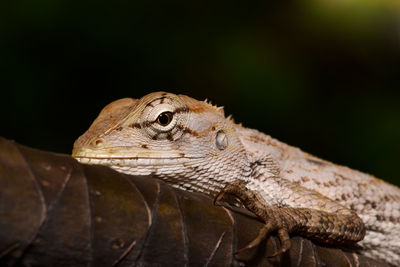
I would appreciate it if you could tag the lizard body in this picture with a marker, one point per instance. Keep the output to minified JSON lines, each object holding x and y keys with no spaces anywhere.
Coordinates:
{"x":191,"y":145}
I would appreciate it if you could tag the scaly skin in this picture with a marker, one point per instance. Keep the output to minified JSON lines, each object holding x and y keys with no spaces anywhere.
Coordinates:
{"x":191,"y":145}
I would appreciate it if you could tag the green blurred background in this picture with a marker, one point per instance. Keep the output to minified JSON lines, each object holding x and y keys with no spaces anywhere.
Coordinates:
{"x":322,"y":75}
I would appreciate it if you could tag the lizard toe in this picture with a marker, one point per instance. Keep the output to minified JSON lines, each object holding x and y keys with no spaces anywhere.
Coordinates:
{"x":218,"y":198}
{"x":284,"y":239}
{"x":262,"y":234}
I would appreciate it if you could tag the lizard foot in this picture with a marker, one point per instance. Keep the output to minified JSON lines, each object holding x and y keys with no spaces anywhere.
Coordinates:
{"x":252,"y":202}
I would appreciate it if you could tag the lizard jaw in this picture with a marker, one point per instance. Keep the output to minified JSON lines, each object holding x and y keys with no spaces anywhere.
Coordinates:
{"x":131,"y":162}
{"x":140,"y":166}
{"x":128,"y":153}
{"x":141,"y":162}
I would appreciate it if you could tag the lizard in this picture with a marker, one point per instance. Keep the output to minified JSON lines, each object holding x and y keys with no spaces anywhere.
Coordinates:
{"x":193,"y":146}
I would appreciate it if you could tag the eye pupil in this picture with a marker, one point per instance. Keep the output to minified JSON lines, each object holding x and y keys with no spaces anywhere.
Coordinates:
{"x":164,"y":118}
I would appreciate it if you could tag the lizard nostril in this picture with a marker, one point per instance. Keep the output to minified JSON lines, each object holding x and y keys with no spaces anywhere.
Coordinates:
{"x":221,"y":140}
{"x":98,"y":142}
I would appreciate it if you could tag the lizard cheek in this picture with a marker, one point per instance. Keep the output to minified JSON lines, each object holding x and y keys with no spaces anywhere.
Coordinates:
{"x":221,"y":140}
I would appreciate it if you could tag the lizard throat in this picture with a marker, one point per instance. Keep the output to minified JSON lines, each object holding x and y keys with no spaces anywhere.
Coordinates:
{"x":172,"y":170}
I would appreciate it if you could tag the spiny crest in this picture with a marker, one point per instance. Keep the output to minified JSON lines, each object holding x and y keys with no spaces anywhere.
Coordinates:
{"x":215,"y":107}
{"x":230,"y":118}
{"x":219,"y":109}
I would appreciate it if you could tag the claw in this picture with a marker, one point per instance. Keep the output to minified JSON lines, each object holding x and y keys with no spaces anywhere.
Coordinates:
{"x":219,"y":197}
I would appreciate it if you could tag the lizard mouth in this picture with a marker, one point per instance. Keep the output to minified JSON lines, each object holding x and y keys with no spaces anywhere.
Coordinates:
{"x":131,"y":158}
{"x":136,"y":162}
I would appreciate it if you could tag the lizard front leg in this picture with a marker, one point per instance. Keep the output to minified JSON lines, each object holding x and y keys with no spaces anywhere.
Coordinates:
{"x":266,"y":213}
{"x":290,"y":208}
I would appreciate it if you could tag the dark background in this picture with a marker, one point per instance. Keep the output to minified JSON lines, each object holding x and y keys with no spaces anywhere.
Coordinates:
{"x":320,"y":75}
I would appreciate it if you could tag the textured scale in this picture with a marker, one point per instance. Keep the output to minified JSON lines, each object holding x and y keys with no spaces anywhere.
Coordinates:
{"x":191,"y":145}
{"x":376,"y":202}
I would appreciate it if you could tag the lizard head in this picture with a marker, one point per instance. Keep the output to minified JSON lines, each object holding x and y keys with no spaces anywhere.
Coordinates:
{"x":186,"y":142}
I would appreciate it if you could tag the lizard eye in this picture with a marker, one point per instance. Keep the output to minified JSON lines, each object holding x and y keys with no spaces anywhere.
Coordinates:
{"x":164,"y":118}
